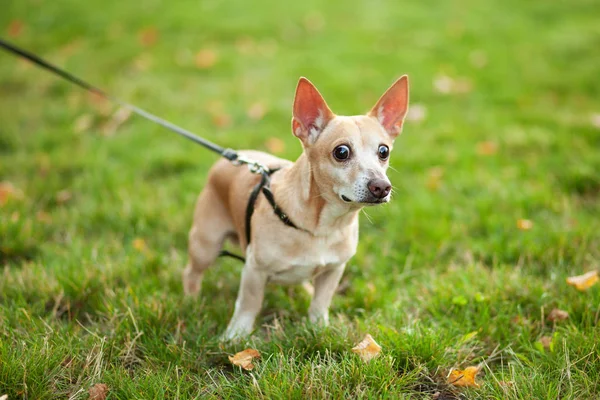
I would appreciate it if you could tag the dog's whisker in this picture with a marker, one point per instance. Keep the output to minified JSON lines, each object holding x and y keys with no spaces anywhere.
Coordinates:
{"x":368,"y":217}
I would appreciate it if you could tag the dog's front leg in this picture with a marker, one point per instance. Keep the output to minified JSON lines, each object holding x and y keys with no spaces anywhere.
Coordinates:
{"x":248,"y":303}
{"x":325,"y":285}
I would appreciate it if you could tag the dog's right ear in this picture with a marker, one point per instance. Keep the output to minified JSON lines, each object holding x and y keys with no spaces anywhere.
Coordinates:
{"x":311,"y":113}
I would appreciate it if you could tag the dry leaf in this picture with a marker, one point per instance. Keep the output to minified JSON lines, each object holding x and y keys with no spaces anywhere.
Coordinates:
{"x":221,"y":120}
{"x":118,"y":118}
{"x":63,"y":196}
{"x":206,"y":58}
{"x":148,"y":36}
{"x":256,"y":111}
{"x":595,"y":120}
{"x":487,"y":148}
{"x":583,"y":282}
{"x":416,"y":113}
{"x":7,"y":192}
{"x":98,"y":391}
{"x":15,"y":28}
{"x":139,"y":244}
{"x":434,"y":178}
{"x":546,"y":341}
{"x":44,"y":217}
{"x":367,"y":349}
{"x":244,"y":358}
{"x":478,"y":59}
{"x":245,"y":45}
{"x":314,"y":22}
{"x":524,"y":224}
{"x":275,"y":145}
{"x":557,"y":315}
{"x":443,"y":84}
{"x":464,"y":377}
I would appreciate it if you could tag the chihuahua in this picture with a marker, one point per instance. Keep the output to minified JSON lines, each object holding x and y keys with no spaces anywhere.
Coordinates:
{"x":341,"y":170}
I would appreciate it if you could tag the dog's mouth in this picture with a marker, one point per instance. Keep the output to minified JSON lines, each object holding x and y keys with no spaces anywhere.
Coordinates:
{"x":370,"y":202}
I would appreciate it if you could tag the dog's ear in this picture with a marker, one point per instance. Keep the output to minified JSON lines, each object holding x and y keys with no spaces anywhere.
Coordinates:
{"x":391,"y":108}
{"x":311,"y":113}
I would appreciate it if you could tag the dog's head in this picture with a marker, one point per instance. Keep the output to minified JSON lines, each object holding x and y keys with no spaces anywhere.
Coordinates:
{"x":349,"y":156}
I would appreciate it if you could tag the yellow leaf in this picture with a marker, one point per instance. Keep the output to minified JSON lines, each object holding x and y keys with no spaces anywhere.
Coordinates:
{"x":256,"y":111}
{"x":275,"y":145}
{"x":464,"y":377}
{"x":487,"y":148}
{"x":206,"y":58}
{"x":557,"y":315}
{"x":7,"y":192}
{"x":524,"y":224}
{"x":583,"y":282}
{"x":148,"y":36}
{"x":139,"y":244}
{"x":15,"y":28}
{"x":98,"y":391}
{"x":367,"y":349}
{"x":244,"y":358}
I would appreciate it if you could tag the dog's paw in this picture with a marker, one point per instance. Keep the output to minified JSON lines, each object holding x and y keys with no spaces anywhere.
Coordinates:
{"x":318,"y":318}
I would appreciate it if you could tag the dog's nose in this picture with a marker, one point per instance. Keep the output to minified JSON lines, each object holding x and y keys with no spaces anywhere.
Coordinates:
{"x":379,"y":187}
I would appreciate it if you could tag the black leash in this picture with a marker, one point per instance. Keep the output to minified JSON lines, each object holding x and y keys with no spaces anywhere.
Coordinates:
{"x":230,"y":154}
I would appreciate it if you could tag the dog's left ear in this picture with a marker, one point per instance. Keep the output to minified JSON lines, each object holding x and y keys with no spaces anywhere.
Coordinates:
{"x":311,"y":113}
{"x":391,"y":108}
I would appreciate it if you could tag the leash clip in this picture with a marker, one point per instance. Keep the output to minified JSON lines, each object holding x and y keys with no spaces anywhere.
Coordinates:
{"x":254,"y":166}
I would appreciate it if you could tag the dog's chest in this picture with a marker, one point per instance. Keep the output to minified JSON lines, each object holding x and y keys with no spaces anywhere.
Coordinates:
{"x":301,"y":260}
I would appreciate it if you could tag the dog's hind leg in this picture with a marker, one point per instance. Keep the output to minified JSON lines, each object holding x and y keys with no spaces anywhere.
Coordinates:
{"x":212,"y":224}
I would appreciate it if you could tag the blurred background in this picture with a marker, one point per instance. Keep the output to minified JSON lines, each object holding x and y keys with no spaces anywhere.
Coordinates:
{"x":498,"y":164}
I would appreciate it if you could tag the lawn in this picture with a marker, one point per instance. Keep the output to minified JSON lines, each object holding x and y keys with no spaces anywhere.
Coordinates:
{"x":496,"y":175}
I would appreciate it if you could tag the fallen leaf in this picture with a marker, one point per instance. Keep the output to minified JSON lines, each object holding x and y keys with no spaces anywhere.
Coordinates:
{"x":245,"y":45}
{"x":478,"y":59}
{"x":443,"y":84}
{"x":557,"y":315}
{"x":63,"y":196}
{"x":256,"y":111}
{"x":244,"y":358}
{"x":367,"y":349}
{"x":487,"y":148}
{"x":595,"y":120}
{"x":148,"y":36}
{"x":434,"y":178}
{"x":98,"y":391}
{"x":83,"y":123}
{"x":44,"y":217}
{"x":524,"y":224}
{"x":464,"y":377}
{"x":7,"y":192}
{"x":221,"y":120}
{"x":546,"y":342}
{"x":583,"y":282}
{"x":416,"y":113}
{"x":118,"y":119}
{"x":275,"y":145}
{"x":314,"y":22}
{"x":206,"y":58}
{"x":15,"y":28}
{"x":139,"y":244}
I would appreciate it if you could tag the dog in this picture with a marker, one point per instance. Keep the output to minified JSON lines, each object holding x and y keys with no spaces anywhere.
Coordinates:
{"x":341,"y":170}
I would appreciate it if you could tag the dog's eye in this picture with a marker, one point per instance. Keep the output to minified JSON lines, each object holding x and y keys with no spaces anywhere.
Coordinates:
{"x":342,"y":152}
{"x":383,"y":152}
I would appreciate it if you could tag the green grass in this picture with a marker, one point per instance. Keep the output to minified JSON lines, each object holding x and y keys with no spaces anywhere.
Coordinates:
{"x":443,"y":277}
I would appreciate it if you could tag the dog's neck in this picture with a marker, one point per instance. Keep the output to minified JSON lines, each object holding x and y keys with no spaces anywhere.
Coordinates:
{"x":299,"y":196}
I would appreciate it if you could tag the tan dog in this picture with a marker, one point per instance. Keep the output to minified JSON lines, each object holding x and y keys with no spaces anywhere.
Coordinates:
{"x":342,"y":169}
